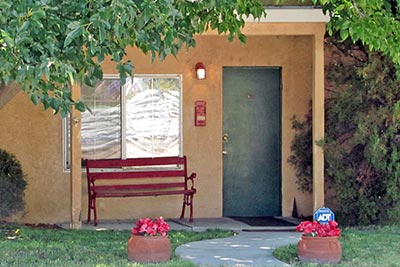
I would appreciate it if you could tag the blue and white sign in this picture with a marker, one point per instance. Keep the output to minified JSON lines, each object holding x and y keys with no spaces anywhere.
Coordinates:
{"x":324,"y":215}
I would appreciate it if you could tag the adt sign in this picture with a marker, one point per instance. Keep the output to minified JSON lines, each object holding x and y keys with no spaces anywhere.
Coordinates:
{"x":324,"y":215}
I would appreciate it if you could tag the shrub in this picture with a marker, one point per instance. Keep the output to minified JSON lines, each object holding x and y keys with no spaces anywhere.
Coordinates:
{"x":12,"y":185}
{"x":362,"y":140}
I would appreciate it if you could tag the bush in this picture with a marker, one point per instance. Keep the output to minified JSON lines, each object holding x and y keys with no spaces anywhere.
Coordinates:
{"x":12,"y":185}
{"x":362,"y":140}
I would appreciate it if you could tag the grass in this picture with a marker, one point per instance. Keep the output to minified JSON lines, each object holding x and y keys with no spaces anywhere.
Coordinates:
{"x":371,"y":246}
{"x":41,"y":246}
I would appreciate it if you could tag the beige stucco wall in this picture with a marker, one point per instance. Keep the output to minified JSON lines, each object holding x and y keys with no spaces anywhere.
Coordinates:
{"x":35,"y":136}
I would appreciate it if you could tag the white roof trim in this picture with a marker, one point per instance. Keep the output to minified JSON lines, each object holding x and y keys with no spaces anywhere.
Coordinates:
{"x":292,"y":15}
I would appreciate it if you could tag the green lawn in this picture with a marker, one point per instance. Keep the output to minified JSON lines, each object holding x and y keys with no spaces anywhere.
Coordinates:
{"x":34,"y":246}
{"x":362,"y":247}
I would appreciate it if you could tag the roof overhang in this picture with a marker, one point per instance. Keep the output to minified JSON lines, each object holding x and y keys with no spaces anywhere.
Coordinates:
{"x":292,"y":14}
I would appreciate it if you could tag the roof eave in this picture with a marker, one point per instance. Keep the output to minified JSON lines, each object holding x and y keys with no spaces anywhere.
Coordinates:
{"x":292,"y":14}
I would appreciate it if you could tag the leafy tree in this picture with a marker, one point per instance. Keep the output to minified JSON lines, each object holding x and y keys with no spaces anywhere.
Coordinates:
{"x":375,"y":23}
{"x":48,"y":45}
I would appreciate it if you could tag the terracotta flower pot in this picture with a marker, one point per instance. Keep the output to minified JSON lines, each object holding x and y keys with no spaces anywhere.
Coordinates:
{"x":149,"y":248}
{"x":319,"y":249}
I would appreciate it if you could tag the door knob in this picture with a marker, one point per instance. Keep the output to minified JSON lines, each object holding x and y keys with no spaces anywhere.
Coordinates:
{"x":225,"y":138}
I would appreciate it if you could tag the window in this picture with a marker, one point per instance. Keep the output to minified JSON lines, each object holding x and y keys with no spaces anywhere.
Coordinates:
{"x":141,"y":118}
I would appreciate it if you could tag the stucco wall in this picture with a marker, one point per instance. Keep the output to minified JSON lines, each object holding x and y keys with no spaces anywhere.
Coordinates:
{"x":35,"y":136}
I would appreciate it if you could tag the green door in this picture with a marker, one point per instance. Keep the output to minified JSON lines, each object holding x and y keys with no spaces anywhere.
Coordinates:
{"x":251,"y":141}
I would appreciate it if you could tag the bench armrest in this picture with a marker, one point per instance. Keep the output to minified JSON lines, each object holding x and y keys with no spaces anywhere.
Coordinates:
{"x":191,"y":179}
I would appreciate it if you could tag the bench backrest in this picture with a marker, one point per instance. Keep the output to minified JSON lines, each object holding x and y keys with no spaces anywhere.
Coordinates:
{"x":109,"y":169}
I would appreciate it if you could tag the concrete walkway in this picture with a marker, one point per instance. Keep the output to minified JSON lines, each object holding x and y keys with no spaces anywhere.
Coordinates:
{"x":251,"y":246}
{"x":244,"y":249}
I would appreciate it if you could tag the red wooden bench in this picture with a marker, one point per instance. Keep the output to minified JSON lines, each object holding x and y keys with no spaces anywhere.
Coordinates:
{"x":139,"y":177}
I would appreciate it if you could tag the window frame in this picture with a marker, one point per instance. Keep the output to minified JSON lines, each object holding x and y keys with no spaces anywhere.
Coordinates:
{"x":66,"y":121}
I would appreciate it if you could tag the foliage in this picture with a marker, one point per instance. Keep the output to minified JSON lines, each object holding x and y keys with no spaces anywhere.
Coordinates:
{"x":149,"y":227}
{"x":363,"y":147}
{"x":12,"y":185}
{"x":362,"y":141}
{"x":301,"y":148}
{"x":315,"y":228}
{"x":46,"y":46}
{"x":371,"y":246}
{"x":374,"y":23}
{"x":48,"y":246}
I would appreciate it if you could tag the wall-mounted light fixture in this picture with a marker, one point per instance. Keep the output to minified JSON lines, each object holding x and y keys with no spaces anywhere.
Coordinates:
{"x":200,"y":71}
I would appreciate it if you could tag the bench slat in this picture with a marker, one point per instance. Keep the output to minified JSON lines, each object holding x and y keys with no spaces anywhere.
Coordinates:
{"x":118,"y":163}
{"x":138,"y":186}
{"x":137,"y":174}
{"x":143,"y":194}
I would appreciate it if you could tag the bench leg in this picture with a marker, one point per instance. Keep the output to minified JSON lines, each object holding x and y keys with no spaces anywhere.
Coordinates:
{"x":191,"y":208}
{"x":94,"y":211}
{"x":92,"y":206}
{"x":183,"y":207}
{"x":187,"y":201}
{"x":89,"y":208}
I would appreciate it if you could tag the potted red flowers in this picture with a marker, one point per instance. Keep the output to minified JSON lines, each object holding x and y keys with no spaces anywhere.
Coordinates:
{"x":319,"y":242}
{"x":149,"y":241}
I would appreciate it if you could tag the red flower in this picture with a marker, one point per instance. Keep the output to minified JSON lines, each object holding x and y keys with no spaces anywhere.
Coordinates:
{"x":316,"y":229}
{"x":149,"y":227}
{"x":162,"y":226}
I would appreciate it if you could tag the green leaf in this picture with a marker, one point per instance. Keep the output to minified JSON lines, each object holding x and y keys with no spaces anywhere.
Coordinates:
{"x":34,"y":99}
{"x":79,"y":105}
{"x":38,"y":14}
{"x":76,"y":31}
{"x":344,"y":34}
{"x":24,"y":26}
{"x":54,"y":103}
{"x":64,"y":113}
{"x":242,"y":38}
{"x":5,"y":4}
{"x":45,"y":103}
